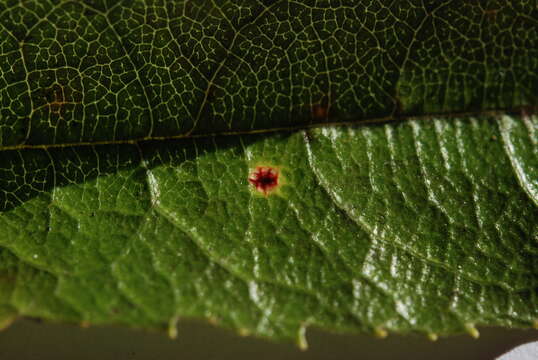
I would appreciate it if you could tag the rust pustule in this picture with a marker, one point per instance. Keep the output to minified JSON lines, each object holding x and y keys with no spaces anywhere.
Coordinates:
{"x":264,"y":179}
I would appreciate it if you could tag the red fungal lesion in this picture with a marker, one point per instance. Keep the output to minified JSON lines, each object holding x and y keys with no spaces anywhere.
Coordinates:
{"x":264,"y":179}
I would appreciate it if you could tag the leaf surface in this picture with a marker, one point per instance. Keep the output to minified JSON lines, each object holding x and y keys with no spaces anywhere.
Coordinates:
{"x":122,"y":200}
{"x":101,"y":70}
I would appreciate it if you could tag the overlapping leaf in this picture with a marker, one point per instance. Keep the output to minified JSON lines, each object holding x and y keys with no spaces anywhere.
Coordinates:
{"x":425,"y":225}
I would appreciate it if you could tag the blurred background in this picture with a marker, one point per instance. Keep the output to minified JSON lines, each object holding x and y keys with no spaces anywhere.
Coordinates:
{"x":29,"y":339}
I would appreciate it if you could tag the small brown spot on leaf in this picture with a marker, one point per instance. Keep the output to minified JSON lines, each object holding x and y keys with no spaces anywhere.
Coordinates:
{"x":491,"y":14}
{"x":320,"y":112}
{"x":59,"y":100}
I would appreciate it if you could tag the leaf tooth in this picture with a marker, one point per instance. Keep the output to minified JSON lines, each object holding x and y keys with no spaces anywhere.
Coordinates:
{"x":85,"y":324}
{"x":172,"y":327}
{"x":6,"y":322}
{"x":472,"y":330}
{"x":301,"y":338}
{"x":380,"y":332}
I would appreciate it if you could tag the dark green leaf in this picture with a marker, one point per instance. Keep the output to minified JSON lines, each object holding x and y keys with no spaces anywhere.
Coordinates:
{"x":425,"y":225}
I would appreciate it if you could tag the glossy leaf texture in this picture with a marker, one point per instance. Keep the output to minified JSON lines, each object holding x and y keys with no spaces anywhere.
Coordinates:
{"x":424,"y":226}
{"x":129,"y":132}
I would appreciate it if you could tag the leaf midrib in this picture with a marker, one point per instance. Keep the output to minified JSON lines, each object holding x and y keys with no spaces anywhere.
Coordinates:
{"x":359,"y":122}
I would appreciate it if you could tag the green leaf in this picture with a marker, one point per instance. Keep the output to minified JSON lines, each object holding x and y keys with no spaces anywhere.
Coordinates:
{"x":106,"y":70}
{"x":121,"y":200}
